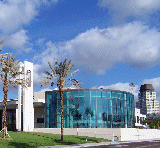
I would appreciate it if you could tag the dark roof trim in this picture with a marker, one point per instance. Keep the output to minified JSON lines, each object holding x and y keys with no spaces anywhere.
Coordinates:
{"x":89,"y":89}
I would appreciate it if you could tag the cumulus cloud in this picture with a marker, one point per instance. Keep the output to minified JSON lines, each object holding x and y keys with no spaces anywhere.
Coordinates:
{"x":16,"y":13}
{"x":97,"y":50}
{"x":19,"y":41}
{"x":130,"y":8}
{"x":124,"y":87}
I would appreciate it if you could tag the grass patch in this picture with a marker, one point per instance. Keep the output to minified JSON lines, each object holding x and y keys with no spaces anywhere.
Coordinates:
{"x":25,"y":139}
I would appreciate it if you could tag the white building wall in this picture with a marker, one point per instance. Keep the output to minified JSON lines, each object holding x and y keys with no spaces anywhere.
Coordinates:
{"x":139,"y":116}
{"x":20,"y":93}
{"x":28,"y":110}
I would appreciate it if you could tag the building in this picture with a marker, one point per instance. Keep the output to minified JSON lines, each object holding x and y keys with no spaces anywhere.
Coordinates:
{"x":89,"y":108}
{"x":147,"y":100}
{"x":138,"y":117}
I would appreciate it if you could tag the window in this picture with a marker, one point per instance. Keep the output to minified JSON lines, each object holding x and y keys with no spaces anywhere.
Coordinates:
{"x":40,"y":120}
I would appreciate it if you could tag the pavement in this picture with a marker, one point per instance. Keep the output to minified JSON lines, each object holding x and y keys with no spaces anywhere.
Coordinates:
{"x":97,"y":144}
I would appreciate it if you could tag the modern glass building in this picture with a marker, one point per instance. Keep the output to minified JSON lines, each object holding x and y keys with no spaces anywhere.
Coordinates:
{"x":90,"y":108}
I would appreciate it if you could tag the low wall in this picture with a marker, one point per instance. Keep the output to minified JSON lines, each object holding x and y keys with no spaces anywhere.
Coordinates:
{"x":106,"y":133}
{"x":139,"y":134}
{"x":114,"y":134}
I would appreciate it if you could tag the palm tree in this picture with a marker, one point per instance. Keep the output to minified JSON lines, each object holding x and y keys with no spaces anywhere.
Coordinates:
{"x":9,"y":72}
{"x":61,"y":71}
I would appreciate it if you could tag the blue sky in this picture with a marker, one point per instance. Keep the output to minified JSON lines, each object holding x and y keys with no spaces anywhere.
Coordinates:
{"x":112,"y":43}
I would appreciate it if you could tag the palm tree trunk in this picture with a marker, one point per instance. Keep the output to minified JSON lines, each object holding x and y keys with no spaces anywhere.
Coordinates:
{"x":5,"y":114}
{"x":5,"y":89}
{"x":61,"y":81}
{"x":62,"y":115}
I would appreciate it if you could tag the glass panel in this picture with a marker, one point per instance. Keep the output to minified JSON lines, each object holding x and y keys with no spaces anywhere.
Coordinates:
{"x":99,"y":102}
{"x":58,"y":95}
{"x":87,"y":94}
{"x":104,"y":102}
{"x":109,"y":109}
{"x":113,"y":94}
{"x":93,"y":94}
{"x":108,"y":94}
{"x":110,"y":118}
{"x":109,"y":102}
{"x":75,"y":94}
{"x":99,"y":94}
{"x":118,"y":102}
{"x":114,"y":102}
{"x":81,"y":94}
{"x":118,"y":110}
{"x":81,"y":101}
{"x":104,"y":116}
{"x":93,"y":101}
{"x":65,"y":95}
{"x":99,"y":113}
{"x":104,"y":94}
{"x":114,"y":110}
{"x":87,"y":101}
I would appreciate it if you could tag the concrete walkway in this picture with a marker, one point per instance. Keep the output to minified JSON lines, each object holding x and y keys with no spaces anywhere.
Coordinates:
{"x":95,"y":144}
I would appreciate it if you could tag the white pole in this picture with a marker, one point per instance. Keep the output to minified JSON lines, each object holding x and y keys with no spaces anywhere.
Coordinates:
{"x":113,"y":137}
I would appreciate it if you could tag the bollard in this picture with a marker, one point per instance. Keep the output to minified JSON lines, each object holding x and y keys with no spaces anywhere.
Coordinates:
{"x":113,"y":137}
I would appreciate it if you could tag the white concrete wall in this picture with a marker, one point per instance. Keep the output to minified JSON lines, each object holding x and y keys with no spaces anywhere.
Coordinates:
{"x":106,"y":133}
{"x":39,"y":96}
{"x":28,"y":110}
{"x":123,"y":134}
{"x":138,"y":134}
{"x":20,"y":98}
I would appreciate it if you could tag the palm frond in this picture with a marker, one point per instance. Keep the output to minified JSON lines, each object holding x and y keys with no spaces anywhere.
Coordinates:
{"x":49,"y":74}
{"x":77,"y":86}
{"x":76,"y":81}
{"x":68,"y":68}
{"x":74,"y":73}
{"x":45,"y":82}
{"x":66,"y":84}
{"x":53,"y":72}
{"x":56,"y":65}
{"x":1,"y":41}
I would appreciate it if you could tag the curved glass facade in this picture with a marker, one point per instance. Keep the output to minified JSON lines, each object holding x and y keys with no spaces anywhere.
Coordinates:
{"x":90,"y":108}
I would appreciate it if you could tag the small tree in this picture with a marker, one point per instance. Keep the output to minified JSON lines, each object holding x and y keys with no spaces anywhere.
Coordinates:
{"x":61,"y":71}
{"x":9,"y":72}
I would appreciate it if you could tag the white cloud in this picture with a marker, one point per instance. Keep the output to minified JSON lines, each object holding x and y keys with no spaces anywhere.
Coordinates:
{"x":123,"y":87}
{"x":120,"y":10}
{"x":97,"y":50}
{"x":15,"y":13}
{"x":46,"y":89}
{"x":19,"y":41}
